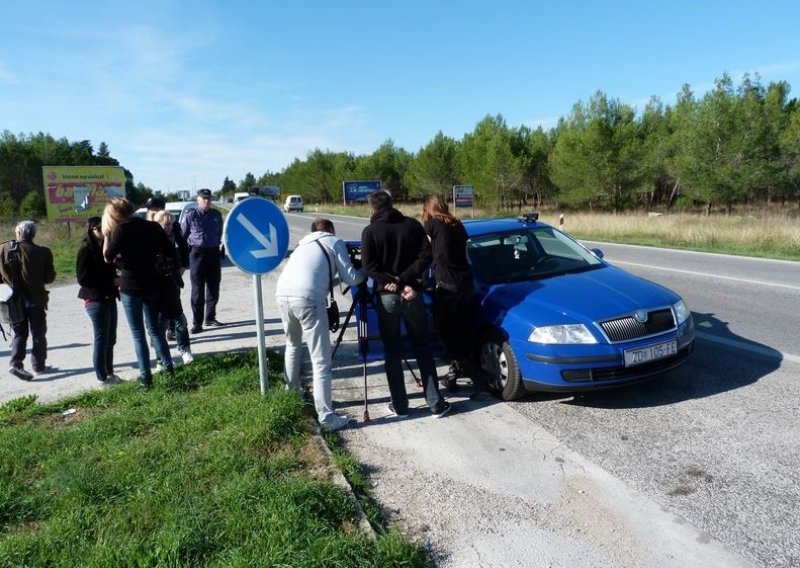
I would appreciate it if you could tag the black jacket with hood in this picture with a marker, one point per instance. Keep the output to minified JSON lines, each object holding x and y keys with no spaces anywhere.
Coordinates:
{"x":395,"y":248}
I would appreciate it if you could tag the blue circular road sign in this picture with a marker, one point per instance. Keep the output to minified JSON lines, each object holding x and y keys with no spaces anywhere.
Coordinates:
{"x":256,"y":235}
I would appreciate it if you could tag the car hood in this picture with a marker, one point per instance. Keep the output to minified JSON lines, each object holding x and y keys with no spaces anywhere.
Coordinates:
{"x":583,"y":297}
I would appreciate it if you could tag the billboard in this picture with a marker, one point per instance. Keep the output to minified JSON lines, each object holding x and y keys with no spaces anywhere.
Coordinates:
{"x":358,"y":190}
{"x":272,"y":191}
{"x":75,"y":193}
{"x":463,"y":195}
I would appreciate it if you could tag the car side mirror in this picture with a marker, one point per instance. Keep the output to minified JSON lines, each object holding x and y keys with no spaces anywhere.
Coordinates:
{"x":597,"y":252}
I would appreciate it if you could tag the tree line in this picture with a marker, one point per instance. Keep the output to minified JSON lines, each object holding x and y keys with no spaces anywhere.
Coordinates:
{"x":733,"y":145}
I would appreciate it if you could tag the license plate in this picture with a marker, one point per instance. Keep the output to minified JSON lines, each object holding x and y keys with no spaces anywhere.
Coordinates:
{"x":650,"y":353}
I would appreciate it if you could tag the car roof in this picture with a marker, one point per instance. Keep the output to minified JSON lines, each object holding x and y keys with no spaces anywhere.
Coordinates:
{"x":179,"y":204}
{"x":478,"y":227}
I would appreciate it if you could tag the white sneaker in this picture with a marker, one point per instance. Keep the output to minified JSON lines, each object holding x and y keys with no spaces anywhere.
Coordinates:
{"x":335,"y":422}
{"x":187,"y":357}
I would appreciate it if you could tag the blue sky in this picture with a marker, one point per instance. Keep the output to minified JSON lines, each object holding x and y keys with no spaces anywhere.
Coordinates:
{"x":186,"y":93}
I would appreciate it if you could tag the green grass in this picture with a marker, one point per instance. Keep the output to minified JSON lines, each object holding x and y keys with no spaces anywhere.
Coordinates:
{"x":200,"y":471}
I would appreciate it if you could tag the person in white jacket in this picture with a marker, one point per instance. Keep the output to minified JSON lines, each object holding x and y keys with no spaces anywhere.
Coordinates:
{"x":301,"y":296}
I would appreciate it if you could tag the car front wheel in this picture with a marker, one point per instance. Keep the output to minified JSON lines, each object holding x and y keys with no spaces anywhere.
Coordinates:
{"x":498,"y":359}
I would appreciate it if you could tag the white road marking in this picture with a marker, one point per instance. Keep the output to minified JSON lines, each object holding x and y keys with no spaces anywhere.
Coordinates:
{"x":707,"y":275}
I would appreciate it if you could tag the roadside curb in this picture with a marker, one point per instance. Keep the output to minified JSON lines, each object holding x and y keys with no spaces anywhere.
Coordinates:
{"x":340,"y":481}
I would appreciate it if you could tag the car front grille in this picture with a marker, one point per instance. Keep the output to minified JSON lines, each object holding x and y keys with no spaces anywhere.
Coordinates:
{"x":626,"y":328}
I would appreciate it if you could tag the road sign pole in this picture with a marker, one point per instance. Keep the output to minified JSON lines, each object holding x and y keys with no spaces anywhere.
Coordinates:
{"x":263,"y":368}
{"x":256,"y":237}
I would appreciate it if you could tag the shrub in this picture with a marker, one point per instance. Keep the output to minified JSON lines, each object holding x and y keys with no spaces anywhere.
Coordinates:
{"x":32,"y":206}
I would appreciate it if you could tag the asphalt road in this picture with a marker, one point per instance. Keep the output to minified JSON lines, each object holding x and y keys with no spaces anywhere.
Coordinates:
{"x":695,"y":468}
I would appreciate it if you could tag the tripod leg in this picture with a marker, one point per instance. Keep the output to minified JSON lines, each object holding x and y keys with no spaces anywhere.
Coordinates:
{"x":343,"y":328}
{"x":363,"y":346}
{"x":417,"y":379}
{"x":366,"y":407}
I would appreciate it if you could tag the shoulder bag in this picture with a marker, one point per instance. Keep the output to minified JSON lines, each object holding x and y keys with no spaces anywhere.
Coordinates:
{"x":333,"y":308}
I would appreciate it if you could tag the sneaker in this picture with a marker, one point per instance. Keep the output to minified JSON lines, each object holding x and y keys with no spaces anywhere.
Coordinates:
{"x":443,"y":409}
{"x":187,"y":357}
{"x":20,"y":373}
{"x":335,"y":422}
{"x":145,"y":384}
{"x":196,"y":329}
{"x":213,"y":322}
{"x":44,"y":370}
{"x":393,"y":412}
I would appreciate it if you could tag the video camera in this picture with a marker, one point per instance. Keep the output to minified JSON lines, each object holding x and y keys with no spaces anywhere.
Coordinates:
{"x":354,"y":251}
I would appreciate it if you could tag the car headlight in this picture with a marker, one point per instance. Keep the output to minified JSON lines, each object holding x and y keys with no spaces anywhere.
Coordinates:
{"x":562,"y":334}
{"x":682,"y":312}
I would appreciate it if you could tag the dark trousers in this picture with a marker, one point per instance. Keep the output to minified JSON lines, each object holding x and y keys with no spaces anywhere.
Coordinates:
{"x":205,"y":274}
{"x":103,"y":314}
{"x":454,"y":314}
{"x":36,"y":321}
{"x":391,"y":310}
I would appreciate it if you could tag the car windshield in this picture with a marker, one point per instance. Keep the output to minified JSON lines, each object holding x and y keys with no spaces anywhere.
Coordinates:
{"x":528,"y":253}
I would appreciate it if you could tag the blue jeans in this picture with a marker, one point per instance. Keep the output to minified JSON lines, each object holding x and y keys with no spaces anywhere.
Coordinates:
{"x":391,"y":310}
{"x":103,"y":314}
{"x":181,"y":328}
{"x":142,"y":313}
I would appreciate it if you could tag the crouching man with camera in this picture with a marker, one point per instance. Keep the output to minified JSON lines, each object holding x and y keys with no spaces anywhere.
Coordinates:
{"x":301,"y":294}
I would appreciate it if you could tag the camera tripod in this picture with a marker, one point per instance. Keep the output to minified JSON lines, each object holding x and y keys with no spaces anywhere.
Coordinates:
{"x":360,"y":300}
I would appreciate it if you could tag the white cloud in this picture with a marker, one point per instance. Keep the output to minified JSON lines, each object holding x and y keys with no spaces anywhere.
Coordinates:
{"x":200,"y":153}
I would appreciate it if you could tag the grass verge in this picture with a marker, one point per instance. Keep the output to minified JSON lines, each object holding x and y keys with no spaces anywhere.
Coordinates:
{"x":200,"y":471}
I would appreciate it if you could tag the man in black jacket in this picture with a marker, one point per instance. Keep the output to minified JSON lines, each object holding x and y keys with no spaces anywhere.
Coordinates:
{"x":395,"y":253}
{"x":27,"y":267}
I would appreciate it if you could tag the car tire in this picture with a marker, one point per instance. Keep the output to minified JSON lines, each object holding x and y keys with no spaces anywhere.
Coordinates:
{"x":498,"y":359}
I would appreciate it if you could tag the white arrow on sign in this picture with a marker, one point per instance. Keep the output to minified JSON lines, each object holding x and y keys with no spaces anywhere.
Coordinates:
{"x":270,"y":244}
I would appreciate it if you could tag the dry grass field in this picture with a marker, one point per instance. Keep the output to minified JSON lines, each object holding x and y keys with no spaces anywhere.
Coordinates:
{"x":766,"y":234}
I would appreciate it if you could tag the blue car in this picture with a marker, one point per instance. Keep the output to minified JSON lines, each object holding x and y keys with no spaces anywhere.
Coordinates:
{"x":554,"y":316}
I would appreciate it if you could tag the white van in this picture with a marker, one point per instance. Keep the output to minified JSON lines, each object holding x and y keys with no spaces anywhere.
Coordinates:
{"x":240,"y":196}
{"x":293,"y":203}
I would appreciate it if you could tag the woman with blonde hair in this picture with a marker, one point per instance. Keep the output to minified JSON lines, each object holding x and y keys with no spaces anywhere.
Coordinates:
{"x":135,"y":246}
{"x":454,"y":305}
{"x":178,"y":322}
